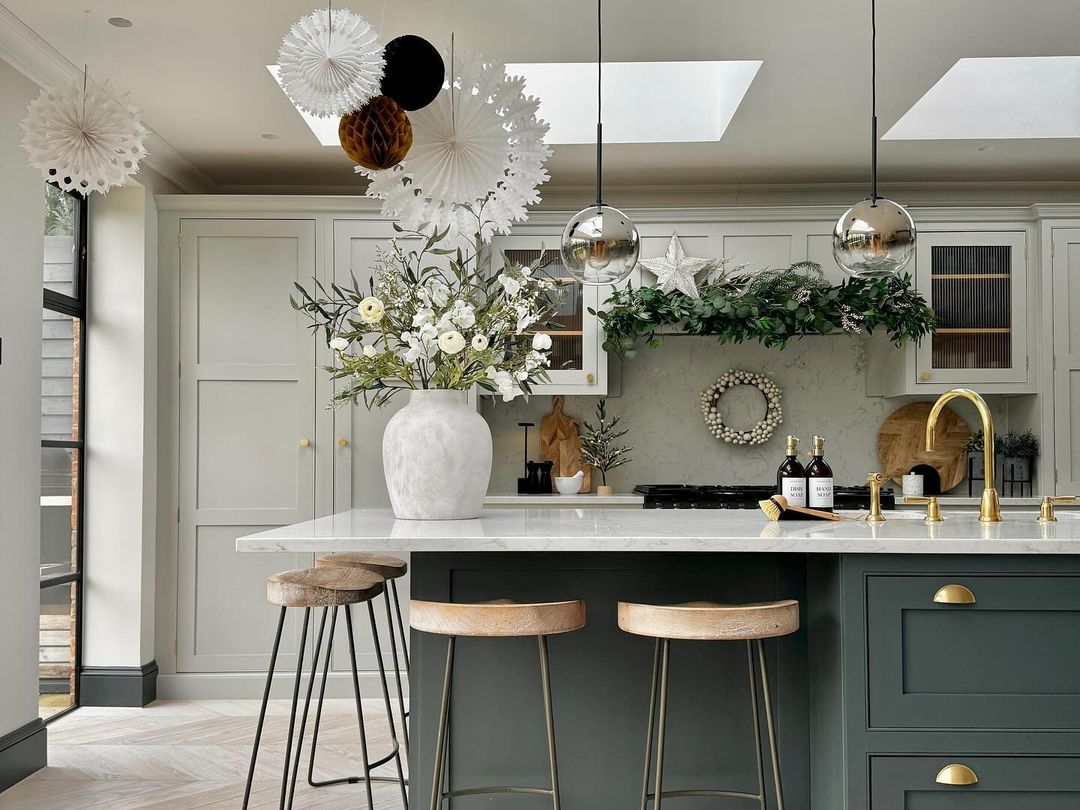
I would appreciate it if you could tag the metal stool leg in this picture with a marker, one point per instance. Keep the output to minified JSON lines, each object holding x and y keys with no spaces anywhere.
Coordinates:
{"x":359,"y":709}
{"x":665,"y":654}
{"x":441,"y":739}
{"x":756,"y":724}
{"x":307,"y":705}
{"x":651,"y":725}
{"x":292,"y":711}
{"x":545,"y":677}
{"x":395,"y":746}
{"x":770,"y":725}
{"x":262,"y":710}
{"x":397,"y":672}
{"x":318,"y":711}
{"x":401,"y":626}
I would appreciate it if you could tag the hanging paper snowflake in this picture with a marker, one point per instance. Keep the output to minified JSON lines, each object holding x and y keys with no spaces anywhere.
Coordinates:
{"x":84,"y":137}
{"x":478,"y":146}
{"x":331,"y":62}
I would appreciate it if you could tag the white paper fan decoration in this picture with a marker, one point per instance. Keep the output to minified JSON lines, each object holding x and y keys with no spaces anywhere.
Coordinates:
{"x":331,"y":62}
{"x":84,"y":137}
{"x":481,"y":146}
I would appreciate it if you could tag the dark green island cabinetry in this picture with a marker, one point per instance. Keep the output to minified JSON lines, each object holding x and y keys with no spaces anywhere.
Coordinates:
{"x":935,"y":668}
{"x":993,"y":685}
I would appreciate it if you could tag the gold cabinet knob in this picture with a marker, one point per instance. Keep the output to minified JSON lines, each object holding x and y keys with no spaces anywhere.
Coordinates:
{"x":342,"y":442}
{"x":305,"y":442}
{"x":926,"y":375}
{"x":954,"y":594}
{"x":590,"y":378}
{"x":956,"y":774}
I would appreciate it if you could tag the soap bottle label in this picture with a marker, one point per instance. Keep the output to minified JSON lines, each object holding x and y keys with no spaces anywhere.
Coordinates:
{"x":820,"y":495}
{"x":794,"y":489}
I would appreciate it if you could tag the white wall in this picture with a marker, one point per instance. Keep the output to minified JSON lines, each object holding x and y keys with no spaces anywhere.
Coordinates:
{"x":121,"y":430}
{"x":21,"y":235}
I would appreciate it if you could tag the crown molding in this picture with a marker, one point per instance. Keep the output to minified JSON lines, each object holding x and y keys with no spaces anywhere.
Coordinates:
{"x":40,"y":62}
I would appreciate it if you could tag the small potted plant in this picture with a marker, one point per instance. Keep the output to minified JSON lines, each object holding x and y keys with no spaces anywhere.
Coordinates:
{"x":974,"y":448}
{"x":599,"y":448}
{"x":1017,"y":450}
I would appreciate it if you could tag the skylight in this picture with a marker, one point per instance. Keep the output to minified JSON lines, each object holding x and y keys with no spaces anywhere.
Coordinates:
{"x":987,"y":98}
{"x":644,"y":102}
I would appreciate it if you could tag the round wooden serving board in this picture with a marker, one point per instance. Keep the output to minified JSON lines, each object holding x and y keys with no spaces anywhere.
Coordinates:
{"x":901,"y":444}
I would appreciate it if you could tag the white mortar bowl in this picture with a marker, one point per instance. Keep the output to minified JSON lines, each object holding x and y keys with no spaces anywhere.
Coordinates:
{"x":570,"y":485}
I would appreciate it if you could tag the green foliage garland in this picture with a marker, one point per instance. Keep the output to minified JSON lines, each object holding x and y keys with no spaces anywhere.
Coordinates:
{"x":770,"y":306}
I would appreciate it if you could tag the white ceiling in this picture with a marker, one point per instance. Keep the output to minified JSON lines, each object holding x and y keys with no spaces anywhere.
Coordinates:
{"x":197,"y":70}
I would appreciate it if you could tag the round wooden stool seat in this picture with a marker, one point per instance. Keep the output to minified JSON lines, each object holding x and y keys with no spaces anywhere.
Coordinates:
{"x":711,"y":621}
{"x":323,"y":587}
{"x":500,"y":617}
{"x":383,"y":564}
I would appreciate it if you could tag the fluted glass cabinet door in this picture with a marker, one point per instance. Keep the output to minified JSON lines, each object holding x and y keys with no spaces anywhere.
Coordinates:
{"x":976,"y":284}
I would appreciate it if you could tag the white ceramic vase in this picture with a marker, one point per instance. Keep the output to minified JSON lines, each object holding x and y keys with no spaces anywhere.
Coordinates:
{"x":437,"y":457}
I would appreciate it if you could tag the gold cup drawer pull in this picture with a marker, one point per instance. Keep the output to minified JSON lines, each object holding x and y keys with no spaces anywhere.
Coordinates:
{"x":956,"y":774}
{"x":954,"y":594}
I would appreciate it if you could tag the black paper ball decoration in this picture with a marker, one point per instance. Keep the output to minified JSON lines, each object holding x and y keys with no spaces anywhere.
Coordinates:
{"x":414,"y":72}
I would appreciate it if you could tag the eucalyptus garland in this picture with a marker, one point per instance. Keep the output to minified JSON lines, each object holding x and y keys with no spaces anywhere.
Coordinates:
{"x":768,"y":306}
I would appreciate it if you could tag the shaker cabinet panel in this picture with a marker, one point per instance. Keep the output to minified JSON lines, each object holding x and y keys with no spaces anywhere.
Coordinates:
{"x":1009,"y":660}
{"x":1066,"y":363}
{"x":247,"y":438}
{"x":1004,"y":783}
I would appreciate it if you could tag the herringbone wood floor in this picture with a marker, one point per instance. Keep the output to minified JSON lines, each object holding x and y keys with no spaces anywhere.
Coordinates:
{"x":181,"y":755}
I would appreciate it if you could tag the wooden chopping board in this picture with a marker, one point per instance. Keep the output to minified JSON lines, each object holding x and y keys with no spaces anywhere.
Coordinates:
{"x":901,"y":444}
{"x":560,"y":442}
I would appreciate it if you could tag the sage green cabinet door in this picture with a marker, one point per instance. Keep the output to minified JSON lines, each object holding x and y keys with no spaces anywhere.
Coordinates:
{"x":1004,"y":783}
{"x":1010,"y":660}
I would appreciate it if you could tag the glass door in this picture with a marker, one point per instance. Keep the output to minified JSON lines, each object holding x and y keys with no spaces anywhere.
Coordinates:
{"x":63,"y":352}
{"x":976,"y":285}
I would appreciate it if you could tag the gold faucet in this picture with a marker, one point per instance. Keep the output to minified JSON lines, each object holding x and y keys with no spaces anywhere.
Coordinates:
{"x":989,"y":504}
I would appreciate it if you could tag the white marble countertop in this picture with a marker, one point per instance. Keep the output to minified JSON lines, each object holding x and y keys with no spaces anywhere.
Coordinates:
{"x":729,"y":530}
{"x":562,"y":501}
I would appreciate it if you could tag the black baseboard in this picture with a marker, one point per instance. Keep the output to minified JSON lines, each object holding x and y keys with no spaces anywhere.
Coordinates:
{"x":22,"y":752}
{"x":118,"y":686}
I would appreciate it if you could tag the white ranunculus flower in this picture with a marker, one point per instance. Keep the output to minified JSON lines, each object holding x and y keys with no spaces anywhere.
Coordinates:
{"x":339,"y":344}
{"x":371,"y":310}
{"x":451,"y":342}
{"x":541,"y":341}
{"x":370,"y":351}
{"x":479,"y":343}
{"x":510,"y":284}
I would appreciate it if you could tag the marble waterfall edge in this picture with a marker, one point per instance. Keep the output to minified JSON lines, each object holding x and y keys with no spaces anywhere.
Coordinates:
{"x":437,"y":457}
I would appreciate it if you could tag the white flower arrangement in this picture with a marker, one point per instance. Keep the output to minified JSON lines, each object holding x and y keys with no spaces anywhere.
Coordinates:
{"x":436,"y":318}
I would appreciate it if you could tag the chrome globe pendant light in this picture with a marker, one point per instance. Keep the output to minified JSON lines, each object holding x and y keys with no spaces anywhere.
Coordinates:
{"x":600,"y":244}
{"x":875,"y":238}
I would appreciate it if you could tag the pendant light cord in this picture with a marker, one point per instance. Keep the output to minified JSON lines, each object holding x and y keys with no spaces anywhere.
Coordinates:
{"x":599,"y":102}
{"x":873,"y":102}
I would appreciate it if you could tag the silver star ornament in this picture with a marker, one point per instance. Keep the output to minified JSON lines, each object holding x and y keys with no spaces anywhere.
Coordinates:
{"x":675,"y":270}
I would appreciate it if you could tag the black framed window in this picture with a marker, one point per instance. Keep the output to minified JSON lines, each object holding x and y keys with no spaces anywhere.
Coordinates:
{"x":63,"y":376}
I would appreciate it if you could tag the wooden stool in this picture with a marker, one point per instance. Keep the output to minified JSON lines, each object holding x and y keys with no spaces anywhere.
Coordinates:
{"x":500,"y":618}
{"x":389,"y":568}
{"x":709,"y":621}
{"x":330,"y":589}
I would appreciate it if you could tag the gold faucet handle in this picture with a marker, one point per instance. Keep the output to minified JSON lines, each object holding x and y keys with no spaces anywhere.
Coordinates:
{"x":1046,"y":508}
{"x":875,"y":480}
{"x":933,"y":507}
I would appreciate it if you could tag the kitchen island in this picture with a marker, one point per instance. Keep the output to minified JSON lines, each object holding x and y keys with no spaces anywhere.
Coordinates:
{"x":885,"y":684}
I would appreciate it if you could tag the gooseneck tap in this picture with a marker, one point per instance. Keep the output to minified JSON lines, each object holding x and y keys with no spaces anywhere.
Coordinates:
{"x":989,"y":504}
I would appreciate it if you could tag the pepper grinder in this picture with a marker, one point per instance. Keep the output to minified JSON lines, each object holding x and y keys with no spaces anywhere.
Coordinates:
{"x":523,"y":482}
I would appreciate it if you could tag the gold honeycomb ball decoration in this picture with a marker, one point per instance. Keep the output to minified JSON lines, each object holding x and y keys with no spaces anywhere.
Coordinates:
{"x":378,"y":135}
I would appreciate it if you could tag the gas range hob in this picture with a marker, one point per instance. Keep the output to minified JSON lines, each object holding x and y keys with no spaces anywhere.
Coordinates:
{"x":718,"y":496}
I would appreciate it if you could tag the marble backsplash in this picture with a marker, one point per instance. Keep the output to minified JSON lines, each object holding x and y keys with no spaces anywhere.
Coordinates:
{"x":658,"y":398}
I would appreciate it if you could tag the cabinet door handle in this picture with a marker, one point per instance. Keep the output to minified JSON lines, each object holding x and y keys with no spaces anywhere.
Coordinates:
{"x":590,"y":378}
{"x":956,"y":774}
{"x":305,"y":442}
{"x":342,"y":442}
{"x":954,"y":594}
